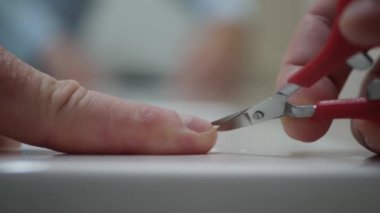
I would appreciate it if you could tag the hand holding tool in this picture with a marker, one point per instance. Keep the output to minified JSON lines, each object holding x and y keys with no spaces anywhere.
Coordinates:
{"x":336,"y":53}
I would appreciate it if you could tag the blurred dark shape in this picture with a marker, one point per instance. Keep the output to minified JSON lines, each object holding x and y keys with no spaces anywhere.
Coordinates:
{"x":43,"y":34}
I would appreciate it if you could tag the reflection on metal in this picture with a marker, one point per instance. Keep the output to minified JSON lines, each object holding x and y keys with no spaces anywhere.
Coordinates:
{"x":299,"y":111}
{"x":274,"y":107}
{"x":266,"y":110}
{"x":258,"y":115}
{"x":289,"y":89}
{"x":360,"y":61}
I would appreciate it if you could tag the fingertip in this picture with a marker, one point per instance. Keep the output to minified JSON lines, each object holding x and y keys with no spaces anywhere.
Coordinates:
{"x":198,"y":137}
{"x":196,"y":124}
{"x":359,"y":22}
{"x":157,"y":131}
{"x":367,"y":134}
{"x":199,"y":143}
{"x":208,"y":140}
{"x":309,"y":130}
{"x":304,"y":129}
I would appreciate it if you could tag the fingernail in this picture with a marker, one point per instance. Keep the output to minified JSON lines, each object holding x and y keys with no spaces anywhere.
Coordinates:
{"x":196,"y":124}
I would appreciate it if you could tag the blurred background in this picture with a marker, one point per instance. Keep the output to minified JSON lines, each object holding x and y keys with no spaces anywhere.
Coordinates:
{"x":204,"y":50}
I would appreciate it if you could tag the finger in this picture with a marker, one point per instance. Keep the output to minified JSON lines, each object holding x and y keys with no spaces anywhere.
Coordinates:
{"x":367,"y":132}
{"x":64,"y":116}
{"x":360,"y":21}
{"x":8,"y":144}
{"x":310,"y":37}
{"x":359,"y":24}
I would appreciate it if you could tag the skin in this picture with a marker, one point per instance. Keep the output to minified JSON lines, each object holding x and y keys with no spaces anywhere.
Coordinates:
{"x":359,"y":25}
{"x":64,"y":116}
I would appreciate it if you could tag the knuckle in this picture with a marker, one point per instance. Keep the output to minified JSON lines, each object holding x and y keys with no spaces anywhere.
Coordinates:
{"x":64,"y":95}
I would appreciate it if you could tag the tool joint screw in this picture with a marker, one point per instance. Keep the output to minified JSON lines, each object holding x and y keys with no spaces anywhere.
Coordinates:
{"x":258,"y":115}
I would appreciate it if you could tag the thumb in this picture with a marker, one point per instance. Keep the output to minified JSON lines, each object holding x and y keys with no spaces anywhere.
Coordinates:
{"x":63,"y":116}
{"x":360,"y":22}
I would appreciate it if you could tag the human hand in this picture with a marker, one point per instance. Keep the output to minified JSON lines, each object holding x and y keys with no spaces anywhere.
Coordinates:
{"x":359,"y":25}
{"x":63,"y":116}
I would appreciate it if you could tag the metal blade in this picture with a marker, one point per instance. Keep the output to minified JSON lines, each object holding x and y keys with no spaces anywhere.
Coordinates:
{"x":271,"y":108}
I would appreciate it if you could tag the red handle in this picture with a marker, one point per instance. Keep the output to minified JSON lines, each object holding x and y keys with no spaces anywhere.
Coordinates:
{"x":360,"y":108}
{"x":332,"y":57}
